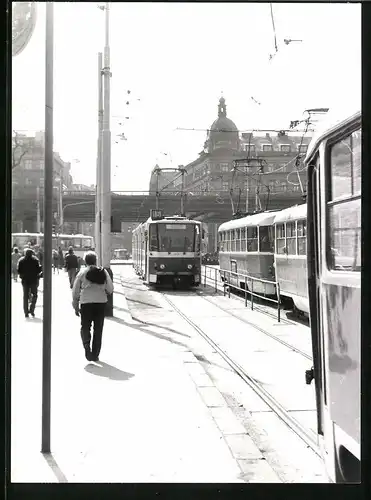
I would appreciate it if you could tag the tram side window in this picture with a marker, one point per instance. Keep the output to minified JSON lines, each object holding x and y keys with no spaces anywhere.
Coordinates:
{"x":265,"y":239}
{"x":238,"y":242}
{"x":243,"y":239}
{"x":280,"y":239}
{"x":302,"y":237}
{"x":221,"y":242}
{"x":233,"y":241}
{"x":252,"y":239}
{"x":291,"y":238}
{"x":344,"y":205}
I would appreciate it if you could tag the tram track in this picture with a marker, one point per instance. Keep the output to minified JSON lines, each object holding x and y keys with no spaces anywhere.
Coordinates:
{"x":306,"y":435}
{"x":259,"y":328}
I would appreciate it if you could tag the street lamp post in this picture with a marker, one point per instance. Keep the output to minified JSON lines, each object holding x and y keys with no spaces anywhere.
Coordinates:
{"x":105,"y":178}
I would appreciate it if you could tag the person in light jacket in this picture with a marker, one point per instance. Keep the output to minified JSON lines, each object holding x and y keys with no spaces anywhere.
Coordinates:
{"x":15,"y":258}
{"x":90,"y":290}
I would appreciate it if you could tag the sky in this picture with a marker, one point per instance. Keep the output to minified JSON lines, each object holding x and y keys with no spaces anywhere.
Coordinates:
{"x":177,"y":59}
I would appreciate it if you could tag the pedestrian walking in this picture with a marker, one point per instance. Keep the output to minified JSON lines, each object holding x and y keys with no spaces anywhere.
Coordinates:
{"x":90,"y":290}
{"x":15,"y":258}
{"x":30,"y":272}
{"x":72,"y":265}
{"x":55,"y":261}
{"x":61,"y":258}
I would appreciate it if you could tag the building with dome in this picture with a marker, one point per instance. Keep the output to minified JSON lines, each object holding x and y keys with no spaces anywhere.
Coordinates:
{"x":271,"y":180}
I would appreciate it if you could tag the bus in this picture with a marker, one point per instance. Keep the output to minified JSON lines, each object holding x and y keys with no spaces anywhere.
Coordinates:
{"x":79,"y":242}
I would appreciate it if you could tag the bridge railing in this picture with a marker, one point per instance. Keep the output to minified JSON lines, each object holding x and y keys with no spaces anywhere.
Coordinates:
{"x":221,"y":280}
{"x":152,"y":193}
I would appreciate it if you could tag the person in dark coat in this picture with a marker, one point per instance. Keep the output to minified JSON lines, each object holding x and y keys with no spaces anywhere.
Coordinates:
{"x":90,"y":290}
{"x":30,"y":272}
{"x":72,"y":265}
{"x":61,"y":258}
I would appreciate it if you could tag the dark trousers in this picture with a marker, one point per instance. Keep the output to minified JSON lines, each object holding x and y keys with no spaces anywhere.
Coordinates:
{"x":92,"y":313}
{"x":72,"y":275}
{"x":29,"y":289}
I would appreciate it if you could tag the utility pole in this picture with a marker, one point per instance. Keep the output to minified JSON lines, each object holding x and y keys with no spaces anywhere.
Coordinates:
{"x":106,"y":164}
{"x":38,"y":220}
{"x":61,"y":218}
{"x":98,"y":194}
{"x":48,"y":222}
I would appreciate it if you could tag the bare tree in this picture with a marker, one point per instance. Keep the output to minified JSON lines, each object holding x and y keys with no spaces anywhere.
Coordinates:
{"x":19,"y":150}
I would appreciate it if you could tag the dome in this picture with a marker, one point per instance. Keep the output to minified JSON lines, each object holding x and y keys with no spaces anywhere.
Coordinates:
{"x":220,"y":130}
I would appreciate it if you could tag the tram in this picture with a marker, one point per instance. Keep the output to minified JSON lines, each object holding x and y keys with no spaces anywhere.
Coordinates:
{"x":168,"y":251}
{"x":334,"y":286}
{"x":290,"y":256}
{"x":246,"y":247}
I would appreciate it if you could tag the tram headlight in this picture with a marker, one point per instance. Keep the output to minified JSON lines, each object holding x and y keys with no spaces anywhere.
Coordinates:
{"x":190,"y":266}
{"x":162,"y":266}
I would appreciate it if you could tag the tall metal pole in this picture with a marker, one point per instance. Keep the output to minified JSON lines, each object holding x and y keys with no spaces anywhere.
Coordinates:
{"x":106,"y":166}
{"x":61,"y":213}
{"x":181,"y":196}
{"x":48,"y":220}
{"x":38,"y":220}
{"x":98,"y":195}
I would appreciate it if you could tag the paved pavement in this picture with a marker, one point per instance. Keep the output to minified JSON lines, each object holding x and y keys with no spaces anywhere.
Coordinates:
{"x":147,"y":412}
{"x":279,"y":369}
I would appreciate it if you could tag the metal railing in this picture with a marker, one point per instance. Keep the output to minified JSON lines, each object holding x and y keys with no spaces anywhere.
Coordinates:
{"x":213,"y":274}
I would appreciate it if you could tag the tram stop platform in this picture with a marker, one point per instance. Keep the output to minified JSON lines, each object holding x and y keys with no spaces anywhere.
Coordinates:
{"x":147,"y":412}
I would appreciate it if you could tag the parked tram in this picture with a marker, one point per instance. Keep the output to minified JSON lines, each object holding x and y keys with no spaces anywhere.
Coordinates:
{"x":334,"y":286}
{"x":246,"y":247}
{"x":168,"y":251}
{"x":290,"y":256}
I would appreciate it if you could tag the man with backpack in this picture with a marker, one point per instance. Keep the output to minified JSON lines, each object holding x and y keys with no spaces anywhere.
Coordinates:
{"x":90,"y":290}
{"x":30,"y":272}
{"x":72,"y":265}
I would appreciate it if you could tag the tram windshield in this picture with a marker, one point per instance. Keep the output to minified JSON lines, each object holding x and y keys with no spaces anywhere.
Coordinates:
{"x":174,"y":238}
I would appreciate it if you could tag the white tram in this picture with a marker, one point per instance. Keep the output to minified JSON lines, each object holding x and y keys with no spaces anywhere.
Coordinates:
{"x":168,"y":251}
{"x":290,"y":256}
{"x":334,"y":285}
{"x":246,"y":247}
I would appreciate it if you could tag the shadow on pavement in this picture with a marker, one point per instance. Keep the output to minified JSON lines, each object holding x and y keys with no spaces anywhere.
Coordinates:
{"x":121,"y":309}
{"x":146,"y":330}
{"x":55,"y":468}
{"x":105,"y":370}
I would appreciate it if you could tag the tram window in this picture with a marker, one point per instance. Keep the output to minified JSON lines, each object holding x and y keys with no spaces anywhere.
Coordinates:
{"x":252,"y":239}
{"x":153,"y":238}
{"x":265,"y":241}
{"x":243,"y":239}
{"x":291,"y":238}
{"x":280,"y":238}
{"x":238,"y":242}
{"x":233,"y":241}
{"x":233,"y":266}
{"x":302,"y":237}
{"x":344,"y":205}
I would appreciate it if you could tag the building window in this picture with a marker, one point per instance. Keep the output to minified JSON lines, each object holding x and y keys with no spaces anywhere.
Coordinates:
{"x":249,"y":148}
{"x":225,"y":186}
{"x":267,"y":147}
{"x":28,"y":164}
{"x":28,"y":182}
{"x":224,"y":167}
{"x":344,"y":205}
{"x":303,"y":148}
{"x":285,"y":148}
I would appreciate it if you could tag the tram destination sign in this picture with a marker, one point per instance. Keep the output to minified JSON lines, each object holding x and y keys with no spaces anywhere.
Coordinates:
{"x":156,"y":214}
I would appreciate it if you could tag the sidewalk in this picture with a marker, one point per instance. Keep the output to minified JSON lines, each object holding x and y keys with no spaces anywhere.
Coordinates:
{"x":136,"y":416}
